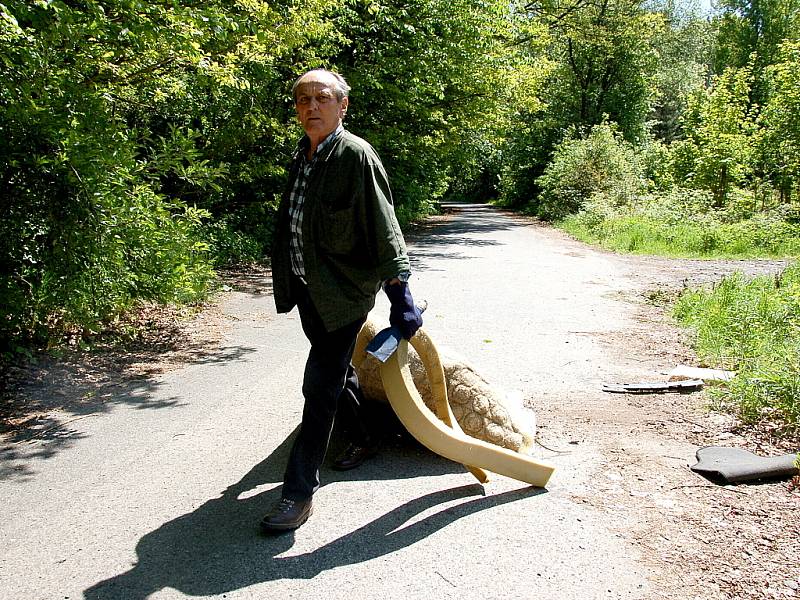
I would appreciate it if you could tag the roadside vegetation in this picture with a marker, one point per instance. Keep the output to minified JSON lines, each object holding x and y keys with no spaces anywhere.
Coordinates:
{"x":710,"y":169}
{"x":143,"y":144}
{"x":753,"y":328}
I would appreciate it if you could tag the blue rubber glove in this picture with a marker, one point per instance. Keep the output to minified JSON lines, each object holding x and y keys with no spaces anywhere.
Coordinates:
{"x":403,"y":314}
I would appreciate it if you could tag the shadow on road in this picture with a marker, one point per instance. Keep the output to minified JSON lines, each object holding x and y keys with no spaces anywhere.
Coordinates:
{"x":66,"y":392}
{"x":37,"y":422}
{"x":217,"y":547}
{"x":444,"y":237}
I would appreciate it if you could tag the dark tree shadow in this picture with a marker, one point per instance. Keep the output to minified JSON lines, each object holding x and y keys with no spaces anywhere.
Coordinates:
{"x":217,"y":547}
{"x":255,"y":280}
{"x":436,"y":238}
{"x":68,"y":392}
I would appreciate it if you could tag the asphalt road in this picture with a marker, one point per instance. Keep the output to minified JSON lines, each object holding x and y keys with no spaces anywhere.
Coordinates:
{"x":159,"y":496}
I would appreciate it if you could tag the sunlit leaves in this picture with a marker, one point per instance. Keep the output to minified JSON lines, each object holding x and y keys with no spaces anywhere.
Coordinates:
{"x":720,"y":125}
{"x":117,"y":119}
{"x":434,"y":84}
{"x":780,"y":120}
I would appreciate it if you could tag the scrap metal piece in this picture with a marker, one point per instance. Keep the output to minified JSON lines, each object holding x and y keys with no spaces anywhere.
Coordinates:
{"x":656,"y":387}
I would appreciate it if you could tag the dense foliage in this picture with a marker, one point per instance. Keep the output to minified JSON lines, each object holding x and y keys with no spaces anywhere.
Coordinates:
{"x":601,"y":164}
{"x":714,"y":100}
{"x":144,"y":143}
{"x":125,"y":126}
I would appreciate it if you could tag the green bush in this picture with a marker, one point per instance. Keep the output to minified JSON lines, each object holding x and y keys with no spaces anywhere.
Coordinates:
{"x":142,"y":143}
{"x":682,"y":222}
{"x":230,"y":247}
{"x":123,"y":126}
{"x":602,"y":163}
{"x":655,"y":161}
{"x":753,"y":327}
{"x":73,"y":265}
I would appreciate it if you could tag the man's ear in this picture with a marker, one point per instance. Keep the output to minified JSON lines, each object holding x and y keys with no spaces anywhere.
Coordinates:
{"x":343,"y":109}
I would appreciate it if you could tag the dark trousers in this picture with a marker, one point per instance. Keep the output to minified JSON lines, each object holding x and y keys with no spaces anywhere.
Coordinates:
{"x":329,"y":384}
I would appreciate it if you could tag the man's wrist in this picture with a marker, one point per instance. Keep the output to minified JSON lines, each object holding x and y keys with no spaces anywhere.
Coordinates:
{"x":399,"y":278}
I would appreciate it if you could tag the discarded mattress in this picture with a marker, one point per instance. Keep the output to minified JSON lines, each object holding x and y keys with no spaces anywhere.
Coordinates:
{"x":734,"y":465}
{"x":481,"y":410}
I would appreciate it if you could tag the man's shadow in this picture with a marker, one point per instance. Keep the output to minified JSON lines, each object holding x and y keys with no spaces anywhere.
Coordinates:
{"x":217,"y":548}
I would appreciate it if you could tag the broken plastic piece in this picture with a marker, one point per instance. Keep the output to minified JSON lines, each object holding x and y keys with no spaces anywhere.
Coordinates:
{"x":734,"y":465}
{"x":384,"y":344}
{"x":685,"y":372}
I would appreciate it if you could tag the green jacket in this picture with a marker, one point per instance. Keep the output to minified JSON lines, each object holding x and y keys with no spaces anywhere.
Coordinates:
{"x":351,"y":239}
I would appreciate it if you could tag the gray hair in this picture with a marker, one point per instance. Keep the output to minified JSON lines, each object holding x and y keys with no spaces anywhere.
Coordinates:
{"x":341,"y":88}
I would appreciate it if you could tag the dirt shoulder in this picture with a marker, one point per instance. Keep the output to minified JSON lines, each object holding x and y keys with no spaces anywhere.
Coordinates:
{"x":714,"y":541}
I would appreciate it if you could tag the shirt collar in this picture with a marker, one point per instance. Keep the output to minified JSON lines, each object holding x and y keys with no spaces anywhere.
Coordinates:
{"x":304,"y":142}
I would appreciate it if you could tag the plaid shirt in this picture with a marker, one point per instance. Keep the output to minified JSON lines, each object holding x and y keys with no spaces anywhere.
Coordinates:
{"x":297,"y":199}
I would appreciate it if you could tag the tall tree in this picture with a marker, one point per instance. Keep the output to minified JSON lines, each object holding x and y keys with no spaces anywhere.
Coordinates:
{"x":780,"y":120}
{"x":751,"y":31}
{"x":606,"y":60}
{"x":601,"y":60}
{"x":718,"y":152}
{"x":116,"y":120}
{"x":433,"y":81}
{"x":683,"y":47}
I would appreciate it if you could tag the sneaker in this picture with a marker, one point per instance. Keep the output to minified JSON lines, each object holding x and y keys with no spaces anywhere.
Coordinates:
{"x":286,"y":515}
{"x":354,"y":456}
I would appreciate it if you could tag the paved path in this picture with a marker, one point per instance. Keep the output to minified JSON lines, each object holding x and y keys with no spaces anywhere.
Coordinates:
{"x":159,"y":496}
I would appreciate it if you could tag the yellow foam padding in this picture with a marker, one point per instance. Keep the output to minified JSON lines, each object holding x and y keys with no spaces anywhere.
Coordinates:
{"x":433,"y":369}
{"x":432,"y":362}
{"x":480,"y":410}
{"x":447,"y":441}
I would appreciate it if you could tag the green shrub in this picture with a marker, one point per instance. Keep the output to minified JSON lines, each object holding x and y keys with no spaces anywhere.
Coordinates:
{"x":229,"y":246}
{"x":581,"y":168}
{"x":682,"y":222}
{"x":131,"y":244}
{"x":753,"y":327}
{"x":655,"y":157}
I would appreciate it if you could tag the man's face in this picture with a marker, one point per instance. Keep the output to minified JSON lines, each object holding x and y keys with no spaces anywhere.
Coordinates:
{"x":318,"y":110}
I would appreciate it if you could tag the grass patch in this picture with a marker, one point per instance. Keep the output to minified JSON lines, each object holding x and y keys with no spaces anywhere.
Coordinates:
{"x":752,"y":327}
{"x":702,"y":238}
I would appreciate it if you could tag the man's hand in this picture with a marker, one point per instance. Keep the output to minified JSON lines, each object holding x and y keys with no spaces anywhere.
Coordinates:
{"x":403,"y":314}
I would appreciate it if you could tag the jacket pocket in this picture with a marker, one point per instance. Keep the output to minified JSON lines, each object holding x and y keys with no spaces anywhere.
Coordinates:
{"x":337,"y":230}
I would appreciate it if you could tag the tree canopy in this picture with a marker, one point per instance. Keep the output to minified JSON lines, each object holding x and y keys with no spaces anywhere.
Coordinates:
{"x":144,"y":143}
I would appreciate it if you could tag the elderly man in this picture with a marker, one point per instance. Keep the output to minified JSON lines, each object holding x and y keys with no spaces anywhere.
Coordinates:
{"x":337,"y":242}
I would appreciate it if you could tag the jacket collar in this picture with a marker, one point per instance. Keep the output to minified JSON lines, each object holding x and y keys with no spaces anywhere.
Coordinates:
{"x":325,"y":146}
